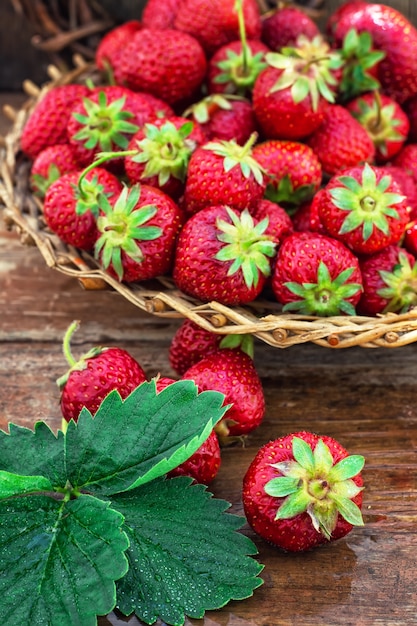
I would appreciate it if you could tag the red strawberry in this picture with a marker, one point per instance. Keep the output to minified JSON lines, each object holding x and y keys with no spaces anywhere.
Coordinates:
{"x":409,"y":241}
{"x":291,"y":95}
{"x":279,"y":222}
{"x":389,"y":29}
{"x":47,"y":124}
{"x":233,"y":373}
{"x":234,"y":67}
{"x":341,"y":141}
{"x":215,"y":22}
{"x":316,"y":275}
{"x":408,"y":185}
{"x":51,"y":163}
{"x":190,"y":344}
{"x":389,"y":282}
{"x":223,"y":255}
{"x":110,"y":47}
{"x":365,"y":208}
{"x":406,"y":158}
{"x":306,"y":217}
{"x":224,"y":117}
{"x":223,"y":172}
{"x":137,"y":233}
{"x":283,"y":26}
{"x":204,"y":464}
{"x":92,"y":377}
{"x":163,"y":149}
{"x":169,"y":64}
{"x":292,"y":170}
{"x":160,"y":15}
{"x":71,"y":211}
{"x":384,"y":120}
{"x":303,"y":490}
{"x":410,"y":108}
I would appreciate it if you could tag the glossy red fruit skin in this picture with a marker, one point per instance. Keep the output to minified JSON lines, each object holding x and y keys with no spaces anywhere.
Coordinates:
{"x":232,"y":372}
{"x":237,"y":123}
{"x":160,"y":15}
{"x":204,"y":464}
{"x":283,"y":26}
{"x":297,"y":534}
{"x":410,"y":238}
{"x":279,"y":222}
{"x":111,"y":45}
{"x":169,"y":64}
{"x":61,"y":156}
{"x":114,"y":368}
{"x":189,"y":344}
{"x":60,"y":207}
{"x":278,"y":116}
{"x":196,"y":270}
{"x":47,"y":124}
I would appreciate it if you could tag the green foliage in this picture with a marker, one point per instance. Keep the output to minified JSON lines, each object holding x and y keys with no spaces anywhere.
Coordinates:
{"x":88,"y":520}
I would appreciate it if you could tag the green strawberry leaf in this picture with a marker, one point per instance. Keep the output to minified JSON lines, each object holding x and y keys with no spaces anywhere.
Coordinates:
{"x":14,"y":485}
{"x":59,"y":560}
{"x":184,"y":555}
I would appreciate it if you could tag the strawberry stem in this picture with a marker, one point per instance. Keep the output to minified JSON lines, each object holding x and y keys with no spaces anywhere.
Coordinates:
{"x":103,"y":157}
{"x":66,"y":344}
{"x":242,"y":34}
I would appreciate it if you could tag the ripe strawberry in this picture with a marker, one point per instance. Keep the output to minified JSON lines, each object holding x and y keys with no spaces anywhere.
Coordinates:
{"x":47,"y":124}
{"x":389,"y":30}
{"x":234,"y":67}
{"x":283,"y":26}
{"x":70,"y":211}
{"x":293,"y":171}
{"x":410,"y":108}
{"x":279,"y":222}
{"x":291,"y":95}
{"x":223,"y":255}
{"x":93,"y":376}
{"x":365,"y":208}
{"x":160,"y":15}
{"x":341,"y":141}
{"x":316,"y":275}
{"x":224,"y":117}
{"x":409,"y":241}
{"x":137,"y":233}
{"x":408,"y":186}
{"x":51,"y":163}
{"x":233,"y":373}
{"x":162,"y":151}
{"x":406,"y":158}
{"x":169,"y":64}
{"x":216,"y":22}
{"x":389,"y":282}
{"x":223,"y":172}
{"x":110,"y":47}
{"x":303,"y":490}
{"x":384,"y":120}
{"x":306,"y":217}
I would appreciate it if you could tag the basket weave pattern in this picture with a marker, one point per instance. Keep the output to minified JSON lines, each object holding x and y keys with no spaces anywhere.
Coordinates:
{"x":262,"y":318}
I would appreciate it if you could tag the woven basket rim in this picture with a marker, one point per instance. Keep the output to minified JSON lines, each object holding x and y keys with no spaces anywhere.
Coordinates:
{"x":263,"y":319}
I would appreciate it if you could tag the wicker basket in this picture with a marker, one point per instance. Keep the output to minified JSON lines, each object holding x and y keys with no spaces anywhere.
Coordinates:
{"x":262,"y":318}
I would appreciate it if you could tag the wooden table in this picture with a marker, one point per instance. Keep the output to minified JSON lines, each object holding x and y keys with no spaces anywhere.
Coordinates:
{"x":366,"y":398}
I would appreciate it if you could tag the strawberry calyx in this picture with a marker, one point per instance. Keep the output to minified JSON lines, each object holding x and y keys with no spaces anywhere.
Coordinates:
{"x":40,"y":183}
{"x":358,"y":58}
{"x":401,"y":286}
{"x":105,"y":125}
{"x":89,"y":194}
{"x":282,"y":192}
{"x":247,"y":246}
{"x":238,"y":155}
{"x":307,"y":68}
{"x":202,"y":110}
{"x":312,"y":483}
{"x":165,"y":150}
{"x":122,"y":227}
{"x":243,"y":342}
{"x":326,"y":297}
{"x":75,"y":364}
{"x":366,"y":202}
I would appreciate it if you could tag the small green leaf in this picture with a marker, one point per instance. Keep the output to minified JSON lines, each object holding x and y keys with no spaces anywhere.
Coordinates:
{"x":347,"y":468}
{"x":293,"y":505}
{"x":184,"y":556}
{"x":348,"y":510}
{"x":14,"y":485}
{"x":282,"y":486}
{"x":303,"y":453}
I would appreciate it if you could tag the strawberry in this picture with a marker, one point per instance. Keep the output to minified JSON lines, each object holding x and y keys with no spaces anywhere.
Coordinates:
{"x":137,"y":233}
{"x":393,"y":34}
{"x":306,"y":217}
{"x":365,"y":208}
{"x":291,"y":95}
{"x":161,"y":152}
{"x":410,"y":108}
{"x":224,"y":117}
{"x":293,"y":171}
{"x":282,"y":27}
{"x":223,"y":255}
{"x":233,"y":373}
{"x":409,"y":241}
{"x":47,"y":124}
{"x":169,"y":64}
{"x":110,"y":47}
{"x":406,"y":159}
{"x":51,"y":163}
{"x":384,"y":120}
{"x":223,"y":172}
{"x":302,"y":490}
{"x":234,"y":67}
{"x":341,"y":141}
{"x":279,"y":222}
{"x":408,"y":186}
{"x":204,"y":464}
{"x":94,"y":375}
{"x":389,"y":282}
{"x":160,"y":15}
{"x":316,"y":275}
{"x":216,"y":22}
{"x":70,"y":210}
